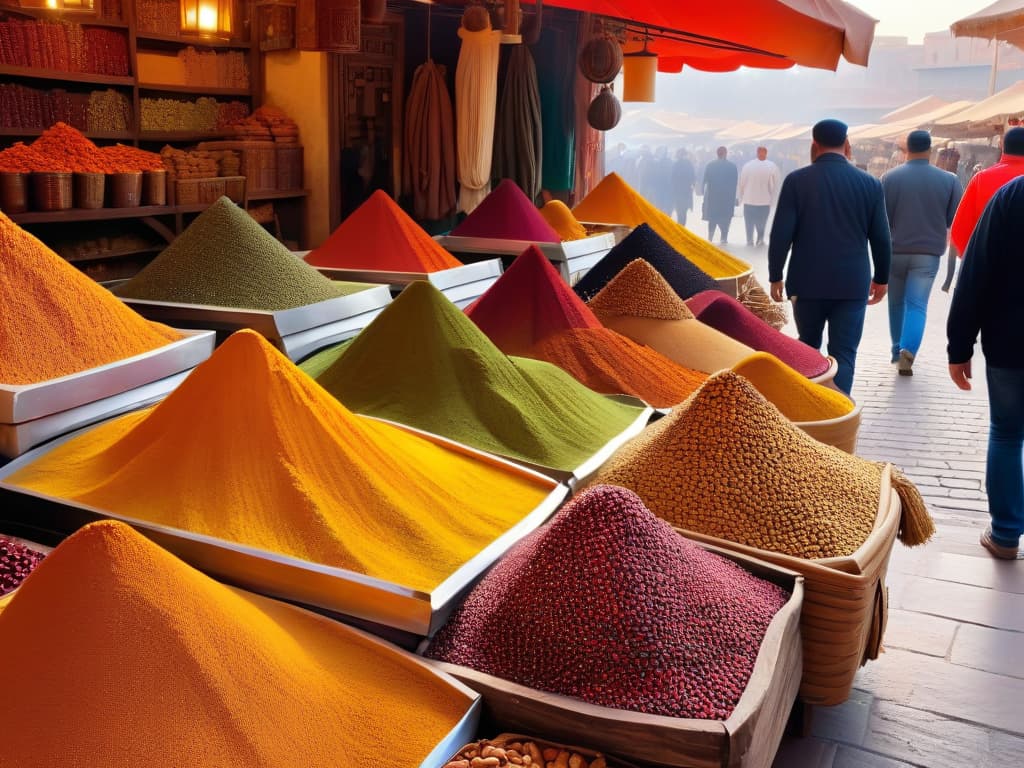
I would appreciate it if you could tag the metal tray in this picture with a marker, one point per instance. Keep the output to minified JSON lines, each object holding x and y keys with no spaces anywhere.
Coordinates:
{"x":298,"y":346}
{"x":569,"y":257}
{"x":21,"y":403}
{"x":274,"y":325}
{"x":462,"y":285}
{"x":15,"y":439}
{"x":281,"y":576}
{"x":579,"y":475}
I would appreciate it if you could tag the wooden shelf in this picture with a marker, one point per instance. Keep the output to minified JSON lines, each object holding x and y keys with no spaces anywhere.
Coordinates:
{"x":184,"y":136}
{"x":84,"y":17}
{"x":99,"y":256}
{"x":279,"y":195}
{"x":73,"y":77}
{"x":193,"y":40}
{"x":109,"y":135}
{"x":198,"y":90}
{"x":92,"y":214}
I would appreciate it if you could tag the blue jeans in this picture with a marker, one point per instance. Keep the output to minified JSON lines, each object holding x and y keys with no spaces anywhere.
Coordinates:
{"x":845,"y":318}
{"x":1004,"y":475}
{"x":723,"y":227}
{"x":911,"y":277}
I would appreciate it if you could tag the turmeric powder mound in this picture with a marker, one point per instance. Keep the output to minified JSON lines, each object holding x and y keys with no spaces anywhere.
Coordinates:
{"x":726,"y":463}
{"x":615,"y":202}
{"x":380,"y":235}
{"x":423,"y":363}
{"x":225,"y":259}
{"x":531,"y":312}
{"x":721,"y":311}
{"x":507,"y":213}
{"x":251,"y":450}
{"x":56,"y":321}
{"x":124,"y":655}
{"x":529,"y":301}
{"x":557,"y":214}
{"x":798,"y":398}
{"x":639,"y":304}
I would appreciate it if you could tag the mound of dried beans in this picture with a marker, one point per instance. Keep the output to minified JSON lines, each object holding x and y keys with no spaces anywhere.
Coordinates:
{"x":16,"y":563}
{"x":610,"y":605}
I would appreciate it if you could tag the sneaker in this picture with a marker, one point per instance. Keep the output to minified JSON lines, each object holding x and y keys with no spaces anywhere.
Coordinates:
{"x":906,"y":363}
{"x":995,"y":549}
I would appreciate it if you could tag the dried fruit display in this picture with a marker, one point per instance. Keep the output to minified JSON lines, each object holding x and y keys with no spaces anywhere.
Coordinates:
{"x":16,"y":562}
{"x":610,"y":605}
{"x":521,"y":751}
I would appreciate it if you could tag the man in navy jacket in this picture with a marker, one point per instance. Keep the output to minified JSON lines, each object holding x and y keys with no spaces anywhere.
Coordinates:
{"x":987,"y":299}
{"x":827,"y":214}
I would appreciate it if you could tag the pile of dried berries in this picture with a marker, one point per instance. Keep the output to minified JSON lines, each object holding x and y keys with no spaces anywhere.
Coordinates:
{"x":16,"y":563}
{"x":610,"y":605}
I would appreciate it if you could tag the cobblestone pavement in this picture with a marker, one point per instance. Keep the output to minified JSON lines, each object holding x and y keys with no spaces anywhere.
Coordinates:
{"x":949,"y":688}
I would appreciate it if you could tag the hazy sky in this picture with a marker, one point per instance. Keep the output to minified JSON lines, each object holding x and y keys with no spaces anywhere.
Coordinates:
{"x":915,"y":17}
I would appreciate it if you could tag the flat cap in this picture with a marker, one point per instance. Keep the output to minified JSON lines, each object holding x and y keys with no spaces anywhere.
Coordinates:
{"x":919,"y":141}
{"x":829,"y":133}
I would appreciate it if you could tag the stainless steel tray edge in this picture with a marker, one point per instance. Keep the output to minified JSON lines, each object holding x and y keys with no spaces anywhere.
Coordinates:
{"x":587,"y":469}
{"x":442,"y":279}
{"x":26,"y":402}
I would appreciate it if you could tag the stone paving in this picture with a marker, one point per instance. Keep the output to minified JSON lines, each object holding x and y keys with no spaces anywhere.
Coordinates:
{"x":949,"y":688}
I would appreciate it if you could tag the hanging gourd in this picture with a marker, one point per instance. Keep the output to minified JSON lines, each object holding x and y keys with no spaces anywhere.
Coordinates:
{"x":604,"y":111}
{"x":601,"y":59}
{"x":476,"y":18}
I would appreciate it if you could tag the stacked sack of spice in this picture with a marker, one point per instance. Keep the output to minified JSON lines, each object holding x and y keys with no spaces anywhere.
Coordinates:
{"x":639,"y":304}
{"x":118,"y":648}
{"x":727,"y":465}
{"x":610,"y":606}
{"x":531,"y":312}
{"x":379,"y":235}
{"x":423,"y":363}
{"x":189,"y":164}
{"x":298,"y":474}
{"x":266,"y":124}
{"x":613,"y":201}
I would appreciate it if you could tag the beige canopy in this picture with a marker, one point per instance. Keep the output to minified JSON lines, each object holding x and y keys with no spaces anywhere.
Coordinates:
{"x":1003,"y":20}
{"x":991,"y":111}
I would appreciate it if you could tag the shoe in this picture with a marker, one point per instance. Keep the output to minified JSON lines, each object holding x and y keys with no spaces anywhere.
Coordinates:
{"x":906,"y":362}
{"x":997,"y":550}
{"x":724,"y":242}
{"x":750,"y":243}
{"x":759,"y":243}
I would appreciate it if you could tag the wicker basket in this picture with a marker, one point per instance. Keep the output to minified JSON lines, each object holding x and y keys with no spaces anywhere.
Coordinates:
{"x":89,"y":189}
{"x":289,"y":168}
{"x":843,"y":615}
{"x":125,"y":189}
{"x":13,"y":192}
{"x":51,"y":190}
{"x":234,"y":188}
{"x":154,"y":187}
{"x":186,"y":191}
{"x":259,"y":162}
{"x":840,"y":431}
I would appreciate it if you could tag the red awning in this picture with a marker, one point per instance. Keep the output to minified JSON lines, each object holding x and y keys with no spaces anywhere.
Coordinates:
{"x":770,"y":34}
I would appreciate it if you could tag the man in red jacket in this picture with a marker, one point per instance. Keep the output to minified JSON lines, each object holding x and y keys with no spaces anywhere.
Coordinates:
{"x":984,"y":184}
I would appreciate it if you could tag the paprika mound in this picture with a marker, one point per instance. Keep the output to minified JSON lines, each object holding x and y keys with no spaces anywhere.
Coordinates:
{"x":57,"y":321}
{"x":622,"y":612}
{"x":727,"y":463}
{"x":422,"y":362}
{"x":123,"y":655}
{"x":507,"y":214}
{"x":296,"y":473}
{"x":379,"y":235}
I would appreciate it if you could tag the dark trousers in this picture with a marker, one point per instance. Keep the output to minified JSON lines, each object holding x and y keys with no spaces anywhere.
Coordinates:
{"x":756,"y":218}
{"x":723,"y":227}
{"x":845,"y":319}
{"x":1004,"y":472}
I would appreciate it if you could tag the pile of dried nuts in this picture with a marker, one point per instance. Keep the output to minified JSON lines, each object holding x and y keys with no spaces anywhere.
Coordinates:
{"x":491,"y":754}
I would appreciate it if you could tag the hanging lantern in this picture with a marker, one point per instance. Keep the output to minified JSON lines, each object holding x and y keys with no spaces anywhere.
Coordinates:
{"x":604,"y":111}
{"x":638,"y":71}
{"x":601,"y":59}
{"x":207,"y":17}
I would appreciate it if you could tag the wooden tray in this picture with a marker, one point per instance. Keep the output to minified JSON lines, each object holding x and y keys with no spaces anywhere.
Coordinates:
{"x":840,"y":625}
{"x":749,"y":737}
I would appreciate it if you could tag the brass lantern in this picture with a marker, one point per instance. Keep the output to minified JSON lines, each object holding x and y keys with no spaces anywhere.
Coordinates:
{"x":638,"y":74}
{"x":208,"y":17}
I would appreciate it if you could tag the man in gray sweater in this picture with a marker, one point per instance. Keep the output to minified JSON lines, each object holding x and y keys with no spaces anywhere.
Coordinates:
{"x":920,"y":201}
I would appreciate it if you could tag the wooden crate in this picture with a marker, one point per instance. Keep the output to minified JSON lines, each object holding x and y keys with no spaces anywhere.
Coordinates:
{"x":749,"y":737}
{"x":289,"y":167}
{"x":844,"y":606}
{"x":259,"y":162}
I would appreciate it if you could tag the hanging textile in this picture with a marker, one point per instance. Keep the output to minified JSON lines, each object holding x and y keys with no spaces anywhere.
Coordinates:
{"x":518,"y":142}
{"x":556,"y":67}
{"x":429,"y":172}
{"x":476,"y":91}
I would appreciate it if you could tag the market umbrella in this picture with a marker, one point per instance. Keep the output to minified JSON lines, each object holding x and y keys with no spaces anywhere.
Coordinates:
{"x":518,"y":141}
{"x":988,"y":115}
{"x":430,"y":145}
{"x":476,"y":91}
{"x":753,"y":33}
{"x":1003,"y":20}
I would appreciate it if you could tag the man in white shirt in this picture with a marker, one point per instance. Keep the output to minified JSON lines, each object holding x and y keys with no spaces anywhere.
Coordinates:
{"x":759,"y":184}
